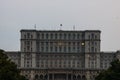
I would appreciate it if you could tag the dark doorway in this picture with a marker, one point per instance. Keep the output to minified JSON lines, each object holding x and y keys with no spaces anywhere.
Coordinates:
{"x":59,"y":76}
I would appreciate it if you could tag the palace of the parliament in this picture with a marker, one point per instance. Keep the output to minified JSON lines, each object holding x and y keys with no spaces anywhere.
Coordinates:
{"x":61,"y":54}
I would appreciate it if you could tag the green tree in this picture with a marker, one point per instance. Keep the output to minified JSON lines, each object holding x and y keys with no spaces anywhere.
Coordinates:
{"x":112,"y":73}
{"x":8,"y":69}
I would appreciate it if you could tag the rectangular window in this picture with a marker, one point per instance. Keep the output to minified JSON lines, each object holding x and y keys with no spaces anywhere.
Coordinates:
{"x":69,"y":43}
{"x":51,"y":43}
{"x":92,"y":35}
{"x":42,"y":49}
{"x":46,"y":49}
{"x":60,"y":36}
{"x":74,"y":36}
{"x":28,"y":35}
{"x":55,"y":36}
{"x":83,"y":49}
{"x":27,"y":65}
{"x":55,"y":49}
{"x":69,"y":49}
{"x":73,"y":48}
{"x":89,"y":37}
{"x":78,"y":43}
{"x":69,"y":36}
{"x":95,"y":36}
{"x":42,"y":43}
{"x":92,"y":42}
{"x":24,"y":49}
{"x":46,"y":36}
{"x":25,"y":36}
{"x":95,"y":43}
{"x":46,"y":43}
{"x":38,"y":35}
{"x":83,"y":36}
{"x":60,"y":49}
{"x":42,"y":36}
{"x":51,"y":49}
{"x":73,"y":43}
{"x":28,"y":47}
{"x":64,"y":36}
{"x":64,"y":49}
{"x":95,"y":49}
{"x":31,"y":36}
{"x":51,"y":36}
{"x":28,"y":42}
{"x":78,"y":36}
{"x":37,"y":65}
{"x":92,"y":49}
{"x":78,"y":49}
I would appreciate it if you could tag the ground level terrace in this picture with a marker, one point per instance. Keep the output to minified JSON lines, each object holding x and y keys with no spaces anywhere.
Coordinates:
{"x":59,"y":74}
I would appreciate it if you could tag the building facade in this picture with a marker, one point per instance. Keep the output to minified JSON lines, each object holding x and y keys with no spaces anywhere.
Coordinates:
{"x":61,"y":55}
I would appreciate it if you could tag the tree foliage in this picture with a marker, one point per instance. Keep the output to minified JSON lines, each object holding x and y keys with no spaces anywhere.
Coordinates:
{"x":112,"y":73}
{"x":8,"y":69}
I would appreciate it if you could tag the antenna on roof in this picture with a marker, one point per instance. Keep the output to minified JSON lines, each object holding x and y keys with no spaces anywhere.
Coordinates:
{"x":35,"y":26}
{"x":73,"y":27}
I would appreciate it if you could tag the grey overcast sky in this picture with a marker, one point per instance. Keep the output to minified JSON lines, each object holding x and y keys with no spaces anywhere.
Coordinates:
{"x":102,"y":15}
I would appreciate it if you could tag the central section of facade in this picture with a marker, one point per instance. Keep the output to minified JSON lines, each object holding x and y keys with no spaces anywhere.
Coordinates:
{"x":60,"y":55}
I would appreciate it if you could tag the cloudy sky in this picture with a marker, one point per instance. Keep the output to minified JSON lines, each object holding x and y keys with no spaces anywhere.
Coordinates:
{"x":102,"y":15}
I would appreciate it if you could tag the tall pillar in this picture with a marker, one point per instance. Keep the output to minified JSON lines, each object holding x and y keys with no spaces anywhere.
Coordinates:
{"x":67,"y":76}
{"x":53,"y":76}
{"x":48,"y":76}
{"x":71,"y":76}
{"x":88,"y":75}
{"x":32,"y":75}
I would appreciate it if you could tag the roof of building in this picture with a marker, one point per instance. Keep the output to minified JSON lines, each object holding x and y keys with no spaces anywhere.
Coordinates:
{"x":34,"y":30}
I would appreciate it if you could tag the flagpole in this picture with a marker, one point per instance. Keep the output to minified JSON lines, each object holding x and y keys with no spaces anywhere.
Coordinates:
{"x":60,"y":26}
{"x":35,"y":26}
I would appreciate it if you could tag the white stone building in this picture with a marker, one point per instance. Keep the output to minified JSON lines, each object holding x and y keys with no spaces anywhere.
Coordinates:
{"x":61,"y":55}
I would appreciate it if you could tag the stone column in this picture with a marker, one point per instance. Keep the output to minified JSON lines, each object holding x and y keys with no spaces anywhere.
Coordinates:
{"x":71,"y":76}
{"x":67,"y":76}
{"x":53,"y":76}
{"x":32,"y":75}
{"x":48,"y":76}
{"x":88,"y":75}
